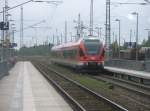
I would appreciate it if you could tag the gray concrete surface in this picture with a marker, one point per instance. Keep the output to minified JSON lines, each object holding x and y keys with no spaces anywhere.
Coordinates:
{"x":147,"y":66}
{"x":25,"y":89}
{"x":129,"y":64}
{"x":126,"y":64}
{"x":140,"y":74}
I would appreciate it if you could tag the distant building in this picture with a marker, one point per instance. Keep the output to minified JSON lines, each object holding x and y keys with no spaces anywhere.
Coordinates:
{"x":129,"y":45}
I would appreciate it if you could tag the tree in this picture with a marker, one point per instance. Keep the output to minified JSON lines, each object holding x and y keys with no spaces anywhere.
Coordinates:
{"x":115,"y":49}
{"x":146,"y":43}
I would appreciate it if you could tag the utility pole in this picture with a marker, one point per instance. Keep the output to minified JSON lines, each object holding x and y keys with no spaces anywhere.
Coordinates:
{"x":149,"y":35}
{"x":79,"y":27}
{"x":13,"y":36}
{"x":57,"y":36}
{"x":119,"y":39}
{"x":113,"y":37}
{"x":91,"y":18}
{"x":116,"y":43}
{"x":130,"y":38}
{"x":3,"y":36}
{"x":99,"y":30}
{"x":61,"y":38}
{"x":47,"y":40}
{"x":118,"y":20}
{"x":35,"y":37}
{"x":65,"y":31}
{"x":21,"y":28}
{"x":7,"y":39}
{"x":137,"y":33}
{"x":53,"y":39}
{"x":108,"y":29}
{"x":130,"y":35}
{"x":4,"y":33}
{"x":71,"y":36}
{"x":13,"y":32}
{"x":82,"y":27}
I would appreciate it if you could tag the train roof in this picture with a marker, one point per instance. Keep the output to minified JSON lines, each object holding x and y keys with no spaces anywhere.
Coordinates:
{"x":72,"y":44}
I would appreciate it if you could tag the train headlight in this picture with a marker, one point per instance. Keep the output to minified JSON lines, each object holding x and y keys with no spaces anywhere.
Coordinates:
{"x":85,"y":63}
{"x":80,"y":63}
{"x":99,"y":64}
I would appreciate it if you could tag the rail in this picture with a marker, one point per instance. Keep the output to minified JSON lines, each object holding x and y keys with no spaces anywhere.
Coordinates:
{"x":83,"y":98}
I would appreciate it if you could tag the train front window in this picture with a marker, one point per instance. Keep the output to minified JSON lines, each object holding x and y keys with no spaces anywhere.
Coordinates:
{"x":92,"y":46}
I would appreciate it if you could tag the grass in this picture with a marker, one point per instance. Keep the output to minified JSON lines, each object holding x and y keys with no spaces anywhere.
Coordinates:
{"x":85,"y":80}
{"x":92,"y":83}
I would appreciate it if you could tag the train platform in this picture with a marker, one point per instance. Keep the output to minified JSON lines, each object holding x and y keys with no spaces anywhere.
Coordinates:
{"x":25,"y":89}
{"x":138,"y":74}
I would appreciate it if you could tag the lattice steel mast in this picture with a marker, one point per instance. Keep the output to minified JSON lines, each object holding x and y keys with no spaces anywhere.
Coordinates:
{"x":108,"y":29}
{"x":91,"y":18}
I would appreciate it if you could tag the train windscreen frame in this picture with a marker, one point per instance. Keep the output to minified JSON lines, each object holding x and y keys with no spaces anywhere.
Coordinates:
{"x":92,"y":46}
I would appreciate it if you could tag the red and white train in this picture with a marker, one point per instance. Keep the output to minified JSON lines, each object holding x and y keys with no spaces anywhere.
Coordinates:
{"x":86,"y":53}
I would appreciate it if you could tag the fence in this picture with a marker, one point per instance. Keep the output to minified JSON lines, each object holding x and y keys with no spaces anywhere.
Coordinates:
{"x":129,"y":64}
{"x":3,"y":69}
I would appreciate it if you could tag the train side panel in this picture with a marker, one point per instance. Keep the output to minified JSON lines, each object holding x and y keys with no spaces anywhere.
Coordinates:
{"x":78,"y":57}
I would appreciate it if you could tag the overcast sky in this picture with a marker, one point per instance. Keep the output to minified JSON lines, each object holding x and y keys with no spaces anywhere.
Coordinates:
{"x":55,"y":17}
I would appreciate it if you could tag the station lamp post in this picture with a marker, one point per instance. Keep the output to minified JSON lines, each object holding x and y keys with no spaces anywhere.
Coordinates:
{"x":108,"y":20}
{"x":118,"y":20}
{"x":137,"y":31}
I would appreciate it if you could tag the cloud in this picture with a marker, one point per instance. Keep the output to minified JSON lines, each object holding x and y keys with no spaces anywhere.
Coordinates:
{"x":149,"y":20}
{"x":130,"y":17}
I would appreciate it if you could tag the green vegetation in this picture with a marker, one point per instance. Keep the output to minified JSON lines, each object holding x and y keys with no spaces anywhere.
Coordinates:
{"x":146,"y":43}
{"x":85,"y":80}
{"x":93,"y":83}
{"x":42,"y":50}
{"x":115,"y":49}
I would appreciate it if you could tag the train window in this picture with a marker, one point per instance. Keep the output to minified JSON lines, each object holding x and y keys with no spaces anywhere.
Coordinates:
{"x":69,"y":53}
{"x":65,"y":54}
{"x":74,"y":53}
{"x":92,"y":46}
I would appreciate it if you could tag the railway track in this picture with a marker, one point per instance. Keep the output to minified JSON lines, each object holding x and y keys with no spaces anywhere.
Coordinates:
{"x":132,"y":86}
{"x":129,"y":85}
{"x":80,"y":97}
{"x":138,"y":88}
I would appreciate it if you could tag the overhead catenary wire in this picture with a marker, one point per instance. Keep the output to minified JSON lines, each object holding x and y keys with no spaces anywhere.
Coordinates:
{"x":17,"y":5}
{"x":51,"y":2}
{"x":43,"y":21}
